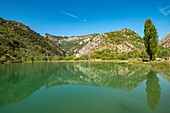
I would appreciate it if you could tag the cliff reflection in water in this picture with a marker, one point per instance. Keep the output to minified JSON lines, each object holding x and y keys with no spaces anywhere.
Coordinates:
{"x":18,"y":81}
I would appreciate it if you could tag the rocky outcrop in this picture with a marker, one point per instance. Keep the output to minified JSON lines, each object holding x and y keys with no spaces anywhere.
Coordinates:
{"x":90,"y":46}
{"x":165,"y":41}
{"x":56,"y":39}
{"x":126,"y":30}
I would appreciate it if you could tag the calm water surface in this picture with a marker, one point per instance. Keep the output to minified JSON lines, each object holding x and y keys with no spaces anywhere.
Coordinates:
{"x":83,"y":88}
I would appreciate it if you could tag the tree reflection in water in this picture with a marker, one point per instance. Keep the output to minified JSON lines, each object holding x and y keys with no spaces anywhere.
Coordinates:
{"x":153,"y":90}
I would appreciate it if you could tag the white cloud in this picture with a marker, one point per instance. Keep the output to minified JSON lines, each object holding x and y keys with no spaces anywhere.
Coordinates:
{"x":68,"y":14}
{"x":165,"y":10}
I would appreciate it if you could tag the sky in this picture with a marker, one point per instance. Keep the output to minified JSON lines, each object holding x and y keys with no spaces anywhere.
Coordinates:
{"x":80,"y":17}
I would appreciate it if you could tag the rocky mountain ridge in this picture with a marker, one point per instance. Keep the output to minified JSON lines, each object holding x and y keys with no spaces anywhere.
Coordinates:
{"x":122,"y":41}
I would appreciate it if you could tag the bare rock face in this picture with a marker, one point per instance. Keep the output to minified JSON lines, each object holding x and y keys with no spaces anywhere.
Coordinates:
{"x":126,"y":30}
{"x":90,"y":46}
{"x":165,"y":41}
{"x":56,"y":39}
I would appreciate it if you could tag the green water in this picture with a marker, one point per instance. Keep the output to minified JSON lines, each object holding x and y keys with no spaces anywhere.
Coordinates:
{"x":83,"y":88}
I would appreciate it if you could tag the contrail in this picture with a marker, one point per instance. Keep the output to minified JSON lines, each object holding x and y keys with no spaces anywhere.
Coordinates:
{"x":68,"y":14}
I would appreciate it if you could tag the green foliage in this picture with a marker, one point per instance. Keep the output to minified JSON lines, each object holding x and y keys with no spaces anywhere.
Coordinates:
{"x":159,"y":65}
{"x":20,"y":43}
{"x":163,"y":52}
{"x":84,"y":57}
{"x":69,"y":58}
{"x":143,"y":55}
{"x":150,"y":39}
{"x":114,"y":56}
{"x":107,"y":55}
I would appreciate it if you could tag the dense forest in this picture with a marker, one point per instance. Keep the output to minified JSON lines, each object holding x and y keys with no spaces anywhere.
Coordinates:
{"x":18,"y":43}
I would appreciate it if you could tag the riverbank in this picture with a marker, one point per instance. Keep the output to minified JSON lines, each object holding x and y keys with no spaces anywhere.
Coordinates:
{"x":151,"y":64}
{"x":158,"y":64}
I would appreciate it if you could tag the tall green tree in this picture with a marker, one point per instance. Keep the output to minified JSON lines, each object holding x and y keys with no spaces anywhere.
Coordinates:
{"x":150,"y":38}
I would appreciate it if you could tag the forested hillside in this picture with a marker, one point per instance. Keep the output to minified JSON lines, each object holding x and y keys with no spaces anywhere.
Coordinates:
{"x":19,"y":43}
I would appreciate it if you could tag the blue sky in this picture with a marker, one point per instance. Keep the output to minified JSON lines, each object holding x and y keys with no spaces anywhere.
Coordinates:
{"x":79,"y":17}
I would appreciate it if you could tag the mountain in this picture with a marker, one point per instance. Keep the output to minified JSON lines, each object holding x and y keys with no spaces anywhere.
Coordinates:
{"x":20,"y":43}
{"x":105,"y":45}
{"x":165,"y":41}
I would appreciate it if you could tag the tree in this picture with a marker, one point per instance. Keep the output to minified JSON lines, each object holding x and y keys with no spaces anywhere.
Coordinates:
{"x":150,"y":39}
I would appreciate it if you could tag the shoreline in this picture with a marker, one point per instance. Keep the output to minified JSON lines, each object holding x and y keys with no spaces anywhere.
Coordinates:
{"x":156,"y":63}
{"x":151,"y":64}
{"x":96,"y":60}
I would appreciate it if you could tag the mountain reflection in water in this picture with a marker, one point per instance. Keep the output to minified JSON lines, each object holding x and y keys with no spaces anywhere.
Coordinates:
{"x":18,"y":81}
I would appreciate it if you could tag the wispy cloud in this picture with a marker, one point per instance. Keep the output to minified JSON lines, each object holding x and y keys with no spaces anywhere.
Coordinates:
{"x":165,"y":10}
{"x":68,"y":14}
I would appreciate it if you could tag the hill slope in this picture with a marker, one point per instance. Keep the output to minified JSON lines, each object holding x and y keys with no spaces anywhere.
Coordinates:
{"x":19,"y":43}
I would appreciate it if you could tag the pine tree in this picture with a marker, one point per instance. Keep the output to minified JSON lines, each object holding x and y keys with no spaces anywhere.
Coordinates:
{"x":150,"y":39}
